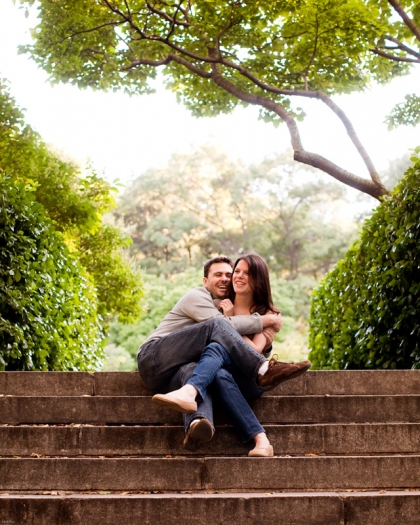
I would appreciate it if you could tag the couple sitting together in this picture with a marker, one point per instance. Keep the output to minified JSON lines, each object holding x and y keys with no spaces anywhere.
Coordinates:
{"x":213,"y":345}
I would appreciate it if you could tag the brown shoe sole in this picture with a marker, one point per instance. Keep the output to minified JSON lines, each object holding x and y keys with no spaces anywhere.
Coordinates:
{"x":291,"y":376}
{"x":202,"y":432}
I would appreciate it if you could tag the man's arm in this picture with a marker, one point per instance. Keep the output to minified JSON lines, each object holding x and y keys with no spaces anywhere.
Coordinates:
{"x":198,"y":305}
{"x":274,"y":321}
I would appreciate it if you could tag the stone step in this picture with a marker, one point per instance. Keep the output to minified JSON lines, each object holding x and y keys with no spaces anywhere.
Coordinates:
{"x":351,"y":508}
{"x":333,"y":382}
{"x":268,"y":409}
{"x":324,"y":439}
{"x":314,"y":473}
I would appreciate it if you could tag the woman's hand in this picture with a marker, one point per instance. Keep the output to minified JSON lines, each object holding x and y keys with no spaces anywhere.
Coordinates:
{"x":227,"y":306}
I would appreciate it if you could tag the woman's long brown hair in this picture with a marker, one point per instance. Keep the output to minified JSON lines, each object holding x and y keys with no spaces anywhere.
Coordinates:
{"x":259,"y":281}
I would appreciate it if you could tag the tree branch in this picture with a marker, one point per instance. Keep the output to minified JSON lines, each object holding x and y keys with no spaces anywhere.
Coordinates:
{"x":395,"y":58}
{"x":402,"y":46}
{"x":165,"y":61}
{"x":406,"y":19}
{"x":167,"y":17}
{"x":326,"y":100}
{"x":373,"y":188}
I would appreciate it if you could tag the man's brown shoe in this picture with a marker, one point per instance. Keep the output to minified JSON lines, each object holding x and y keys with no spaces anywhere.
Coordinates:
{"x":279,"y":372}
{"x":199,"y":432}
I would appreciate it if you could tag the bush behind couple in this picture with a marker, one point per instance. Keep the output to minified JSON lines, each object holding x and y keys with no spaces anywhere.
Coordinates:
{"x":213,"y":346}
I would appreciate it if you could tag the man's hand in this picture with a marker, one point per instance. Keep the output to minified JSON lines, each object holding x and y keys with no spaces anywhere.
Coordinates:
{"x":274,"y":321}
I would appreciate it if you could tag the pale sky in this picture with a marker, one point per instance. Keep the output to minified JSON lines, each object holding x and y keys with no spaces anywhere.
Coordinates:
{"x":124,"y":136}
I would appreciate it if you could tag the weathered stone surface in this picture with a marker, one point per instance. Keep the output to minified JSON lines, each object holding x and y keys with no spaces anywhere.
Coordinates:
{"x":120,"y":384}
{"x":341,"y":439}
{"x":336,"y":409}
{"x":357,"y":508}
{"x":268,"y":409}
{"x":312,"y":473}
{"x":46,"y":383}
{"x":27,"y":440}
{"x":206,"y":509}
{"x":319,"y":382}
{"x":100,"y":474}
{"x":255,"y":474}
{"x":387,"y":508}
{"x":89,"y":409}
{"x":360,"y":382}
{"x":350,"y":431}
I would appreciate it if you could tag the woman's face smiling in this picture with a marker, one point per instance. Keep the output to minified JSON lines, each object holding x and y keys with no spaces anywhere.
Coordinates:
{"x":240,"y":280}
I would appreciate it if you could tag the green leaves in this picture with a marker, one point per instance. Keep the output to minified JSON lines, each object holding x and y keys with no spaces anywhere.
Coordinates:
{"x":48,"y":306}
{"x":366,"y":312}
{"x":322,"y":44}
{"x":406,"y":113}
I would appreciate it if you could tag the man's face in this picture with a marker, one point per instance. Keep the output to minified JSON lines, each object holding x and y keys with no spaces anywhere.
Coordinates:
{"x":218,"y":279}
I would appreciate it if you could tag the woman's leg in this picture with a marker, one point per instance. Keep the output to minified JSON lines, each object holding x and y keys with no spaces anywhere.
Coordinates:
{"x":204,"y":405}
{"x":242,"y":417}
{"x":230,"y":398}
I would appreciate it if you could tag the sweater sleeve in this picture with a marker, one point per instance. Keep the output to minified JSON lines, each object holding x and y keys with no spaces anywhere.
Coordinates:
{"x":198,"y":305}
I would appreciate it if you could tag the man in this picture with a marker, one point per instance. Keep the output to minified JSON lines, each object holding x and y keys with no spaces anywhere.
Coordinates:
{"x":195,"y":322}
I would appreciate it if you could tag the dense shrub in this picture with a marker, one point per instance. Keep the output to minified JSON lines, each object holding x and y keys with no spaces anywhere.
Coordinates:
{"x":366,"y":312}
{"x":48,"y":306}
{"x":77,"y":201}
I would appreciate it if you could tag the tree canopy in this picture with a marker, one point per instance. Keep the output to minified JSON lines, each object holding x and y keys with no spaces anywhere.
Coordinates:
{"x":216,"y":55}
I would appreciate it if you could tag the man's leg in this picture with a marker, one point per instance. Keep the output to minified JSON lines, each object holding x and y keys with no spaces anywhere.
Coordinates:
{"x":162,"y":358}
{"x":199,"y":425}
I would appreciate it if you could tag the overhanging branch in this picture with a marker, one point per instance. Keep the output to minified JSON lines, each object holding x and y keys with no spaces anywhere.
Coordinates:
{"x":406,"y":19}
{"x":373,"y":188}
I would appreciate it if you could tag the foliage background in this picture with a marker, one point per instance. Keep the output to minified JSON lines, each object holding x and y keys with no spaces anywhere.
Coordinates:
{"x":65,"y":271}
{"x":366,"y":312}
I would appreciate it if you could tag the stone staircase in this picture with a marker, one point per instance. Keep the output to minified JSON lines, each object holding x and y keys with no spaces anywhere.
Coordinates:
{"x":91,"y":448}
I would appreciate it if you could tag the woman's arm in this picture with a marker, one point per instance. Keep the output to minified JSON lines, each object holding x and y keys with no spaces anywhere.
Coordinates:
{"x":257,"y":342}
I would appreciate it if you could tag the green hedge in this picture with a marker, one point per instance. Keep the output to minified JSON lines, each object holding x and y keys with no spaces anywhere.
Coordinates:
{"x":366,"y":313}
{"x":48,"y":307}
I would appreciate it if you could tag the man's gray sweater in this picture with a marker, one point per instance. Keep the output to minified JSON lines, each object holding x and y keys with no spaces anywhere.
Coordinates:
{"x":197,"y":306}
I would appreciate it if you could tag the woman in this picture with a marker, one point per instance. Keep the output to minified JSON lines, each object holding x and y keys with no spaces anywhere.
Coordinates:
{"x":249,"y":292}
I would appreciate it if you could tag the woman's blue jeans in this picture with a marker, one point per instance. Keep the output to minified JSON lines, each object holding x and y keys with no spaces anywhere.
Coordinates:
{"x":218,"y":380}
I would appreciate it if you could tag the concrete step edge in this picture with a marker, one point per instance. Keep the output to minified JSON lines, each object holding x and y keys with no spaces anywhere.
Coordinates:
{"x":129,"y":383}
{"x":325,"y":473}
{"x":322,"y":439}
{"x":298,"y":508}
{"x":268,"y":409}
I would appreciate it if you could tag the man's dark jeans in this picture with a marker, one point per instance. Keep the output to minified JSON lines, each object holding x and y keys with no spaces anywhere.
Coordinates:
{"x":161,"y":359}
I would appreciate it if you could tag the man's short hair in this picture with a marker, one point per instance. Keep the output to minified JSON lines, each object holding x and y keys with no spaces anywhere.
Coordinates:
{"x":210,"y":262}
